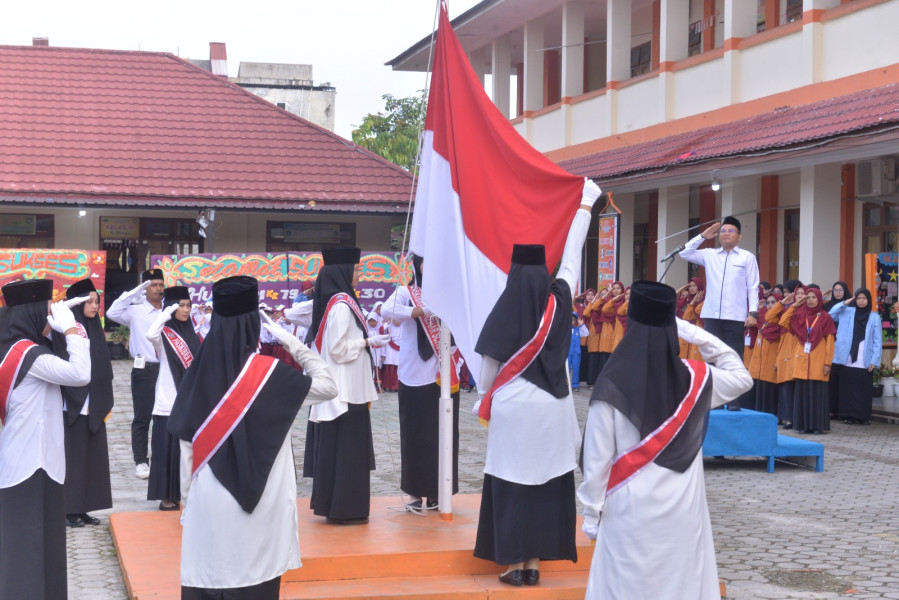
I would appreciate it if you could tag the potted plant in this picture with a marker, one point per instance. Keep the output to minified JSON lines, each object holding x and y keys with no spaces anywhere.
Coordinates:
{"x":878,"y":386}
{"x":886,"y":379}
{"x":117,"y":341}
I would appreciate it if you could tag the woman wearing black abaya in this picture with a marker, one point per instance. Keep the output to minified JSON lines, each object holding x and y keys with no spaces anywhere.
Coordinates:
{"x":240,"y":513}
{"x":858,"y":350}
{"x":173,"y":336}
{"x":87,"y":486}
{"x":339,"y":446}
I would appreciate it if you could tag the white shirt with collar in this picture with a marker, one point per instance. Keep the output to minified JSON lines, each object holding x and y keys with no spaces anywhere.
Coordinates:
{"x":731,"y":280}
{"x":32,"y":437}
{"x":133,"y":310}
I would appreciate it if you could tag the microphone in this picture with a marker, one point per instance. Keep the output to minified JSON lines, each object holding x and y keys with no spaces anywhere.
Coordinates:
{"x":674,"y":252}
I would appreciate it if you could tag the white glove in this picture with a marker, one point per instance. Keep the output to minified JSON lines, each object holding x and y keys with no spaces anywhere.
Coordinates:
{"x":686,"y":331}
{"x":476,"y":408}
{"x":591,"y":529}
{"x":591,"y":192}
{"x":73,"y":302}
{"x":169,"y":310}
{"x":61,"y":318}
{"x":141,"y":288}
{"x":278,"y":332}
{"x":377,"y":341}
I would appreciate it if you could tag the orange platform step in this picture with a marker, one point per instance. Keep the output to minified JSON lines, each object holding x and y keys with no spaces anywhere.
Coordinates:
{"x":395,"y":555}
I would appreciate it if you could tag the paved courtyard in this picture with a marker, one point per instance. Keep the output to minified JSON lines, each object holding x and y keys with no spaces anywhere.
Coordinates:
{"x":791,"y":534}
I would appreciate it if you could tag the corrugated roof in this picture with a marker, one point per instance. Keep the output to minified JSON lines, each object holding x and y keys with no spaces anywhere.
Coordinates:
{"x":104,"y":126}
{"x":781,"y":129}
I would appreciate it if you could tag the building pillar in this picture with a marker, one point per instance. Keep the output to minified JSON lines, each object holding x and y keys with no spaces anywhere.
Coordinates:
{"x":501,"y":68}
{"x":739,"y":22}
{"x":478,"y":64}
{"x":652,"y":255}
{"x":618,"y":54}
{"x":710,"y":23}
{"x":847,"y":224}
{"x":551,"y":78}
{"x":740,"y":198}
{"x":819,"y":231}
{"x":533,"y":66}
{"x":674,"y":34}
{"x":626,"y":222}
{"x":572,"y":48}
{"x":813,"y":41}
{"x":674,"y":216}
{"x":768,"y":236}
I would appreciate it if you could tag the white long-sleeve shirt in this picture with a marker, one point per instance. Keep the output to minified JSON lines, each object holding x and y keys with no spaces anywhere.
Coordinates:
{"x":731,"y":280}
{"x":133,"y":310}
{"x":411,"y":369}
{"x":32,"y":437}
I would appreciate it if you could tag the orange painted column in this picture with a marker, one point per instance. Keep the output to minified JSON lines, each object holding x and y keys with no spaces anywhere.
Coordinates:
{"x":652,"y":253}
{"x":707,"y":202}
{"x":709,"y":21}
{"x":656,"y":36}
{"x":552,"y":78}
{"x":847,"y":224}
{"x":768,"y":229}
{"x":772,"y":14}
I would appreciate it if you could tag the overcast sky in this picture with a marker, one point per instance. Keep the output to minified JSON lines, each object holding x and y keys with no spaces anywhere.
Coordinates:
{"x":346,"y":41}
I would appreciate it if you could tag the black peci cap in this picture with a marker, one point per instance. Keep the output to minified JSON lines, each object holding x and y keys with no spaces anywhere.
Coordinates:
{"x":653,"y":304}
{"x":25,"y":292}
{"x":80,"y":288}
{"x":234,"y":296}
{"x":529,"y":254}
{"x":732,"y":221}
{"x":175,"y":294}
{"x":341,"y":256}
{"x":151,"y":275}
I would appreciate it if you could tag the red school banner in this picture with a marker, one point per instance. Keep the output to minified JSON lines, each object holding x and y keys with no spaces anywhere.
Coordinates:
{"x":64,"y":267}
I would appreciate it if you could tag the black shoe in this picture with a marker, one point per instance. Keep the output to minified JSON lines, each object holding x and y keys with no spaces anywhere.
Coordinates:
{"x":74,"y":523}
{"x":414,"y":504}
{"x":515,"y":577}
{"x":531,"y":576}
{"x":733,"y":407}
{"x":788,"y":426}
{"x":89,"y":520}
{"x":359,"y":521}
{"x":172,"y":507}
{"x":432,"y":504}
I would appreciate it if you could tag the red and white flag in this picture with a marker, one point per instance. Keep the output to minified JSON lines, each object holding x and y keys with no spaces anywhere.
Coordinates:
{"x":481,"y":189}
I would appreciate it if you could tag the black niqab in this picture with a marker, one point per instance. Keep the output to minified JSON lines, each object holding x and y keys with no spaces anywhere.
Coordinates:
{"x":243,"y":463}
{"x":515,"y":318}
{"x":645,"y":379}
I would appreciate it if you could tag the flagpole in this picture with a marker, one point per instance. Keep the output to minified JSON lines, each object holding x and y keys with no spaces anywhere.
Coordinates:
{"x":445,"y":438}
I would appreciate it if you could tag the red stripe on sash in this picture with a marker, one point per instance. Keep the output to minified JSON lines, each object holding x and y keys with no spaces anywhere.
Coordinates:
{"x":182,"y":350}
{"x":231,"y":409}
{"x":331,"y":303}
{"x":432,"y":332}
{"x":521,"y":360}
{"x":81,"y":330}
{"x":9,"y":372}
{"x":632,"y":461}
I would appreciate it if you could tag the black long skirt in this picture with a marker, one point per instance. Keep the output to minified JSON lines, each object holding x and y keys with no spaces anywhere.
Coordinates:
{"x":811,"y":408}
{"x":87,"y":486}
{"x":766,"y":397}
{"x":267,"y":590}
{"x":785,"y":401}
{"x":519,"y":522}
{"x":855,"y":394}
{"x":339,"y":457}
{"x":419,"y":408}
{"x":747,"y":399}
{"x":833,"y":387}
{"x":165,"y":468}
{"x":33,"y":539}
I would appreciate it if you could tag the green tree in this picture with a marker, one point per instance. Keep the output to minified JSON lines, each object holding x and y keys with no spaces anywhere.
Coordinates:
{"x":393,"y":134}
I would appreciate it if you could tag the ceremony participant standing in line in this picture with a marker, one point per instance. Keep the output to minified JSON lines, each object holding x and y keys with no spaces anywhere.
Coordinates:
{"x":764,"y":357}
{"x":732,"y":283}
{"x":137,"y":309}
{"x":390,"y":380}
{"x":176,"y":342}
{"x":578,"y":332}
{"x":527,"y":504}
{"x":594,"y":317}
{"x":858,"y":349}
{"x":87,"y":486}
{"x":233,"y":415}
{"x":339,"y":446}
{"x":643,"y":491}
{"x":32,"y":446}
{"x":419,"y":394}
{"x":837,"y":294}
{"x":814,"y":331}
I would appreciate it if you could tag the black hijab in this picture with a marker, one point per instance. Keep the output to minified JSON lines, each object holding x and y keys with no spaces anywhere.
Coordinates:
{"x":243,"y":463}
{"x":516,"y":316}
{"x":425,"y":351}
{"x":185,"y":329}
{"x":833,"y":300}
{"x":645,"y":379}
{"x":24,"y":318}
{"x":335,"y":277}
{"x":100,"y":387}
{"x":860,"y":324}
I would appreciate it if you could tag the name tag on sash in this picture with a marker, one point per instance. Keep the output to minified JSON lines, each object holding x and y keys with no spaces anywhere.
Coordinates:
{"x":807,"y":348}
{"x":747,"y":341}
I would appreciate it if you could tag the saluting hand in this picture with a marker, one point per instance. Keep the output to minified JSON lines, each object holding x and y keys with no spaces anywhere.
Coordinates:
{"x":712,"y":231}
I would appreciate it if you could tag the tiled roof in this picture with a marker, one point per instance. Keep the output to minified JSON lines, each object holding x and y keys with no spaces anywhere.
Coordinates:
{"x":783,"y":129}
{"x":145,"y":128}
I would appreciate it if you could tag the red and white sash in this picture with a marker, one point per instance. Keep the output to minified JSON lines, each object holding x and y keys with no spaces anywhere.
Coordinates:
{"x":431,"y":328}
{"x":520,"y":361}
{"x":354,"y":306}
{"x":630,"y":462}
{"x":182,"y":351}
{"x":9,"y":372}
{"x":231,"y":409}
{"x":79,"y":328}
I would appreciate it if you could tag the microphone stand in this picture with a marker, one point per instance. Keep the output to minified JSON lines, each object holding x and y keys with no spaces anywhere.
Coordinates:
{"x":670,"y":262}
